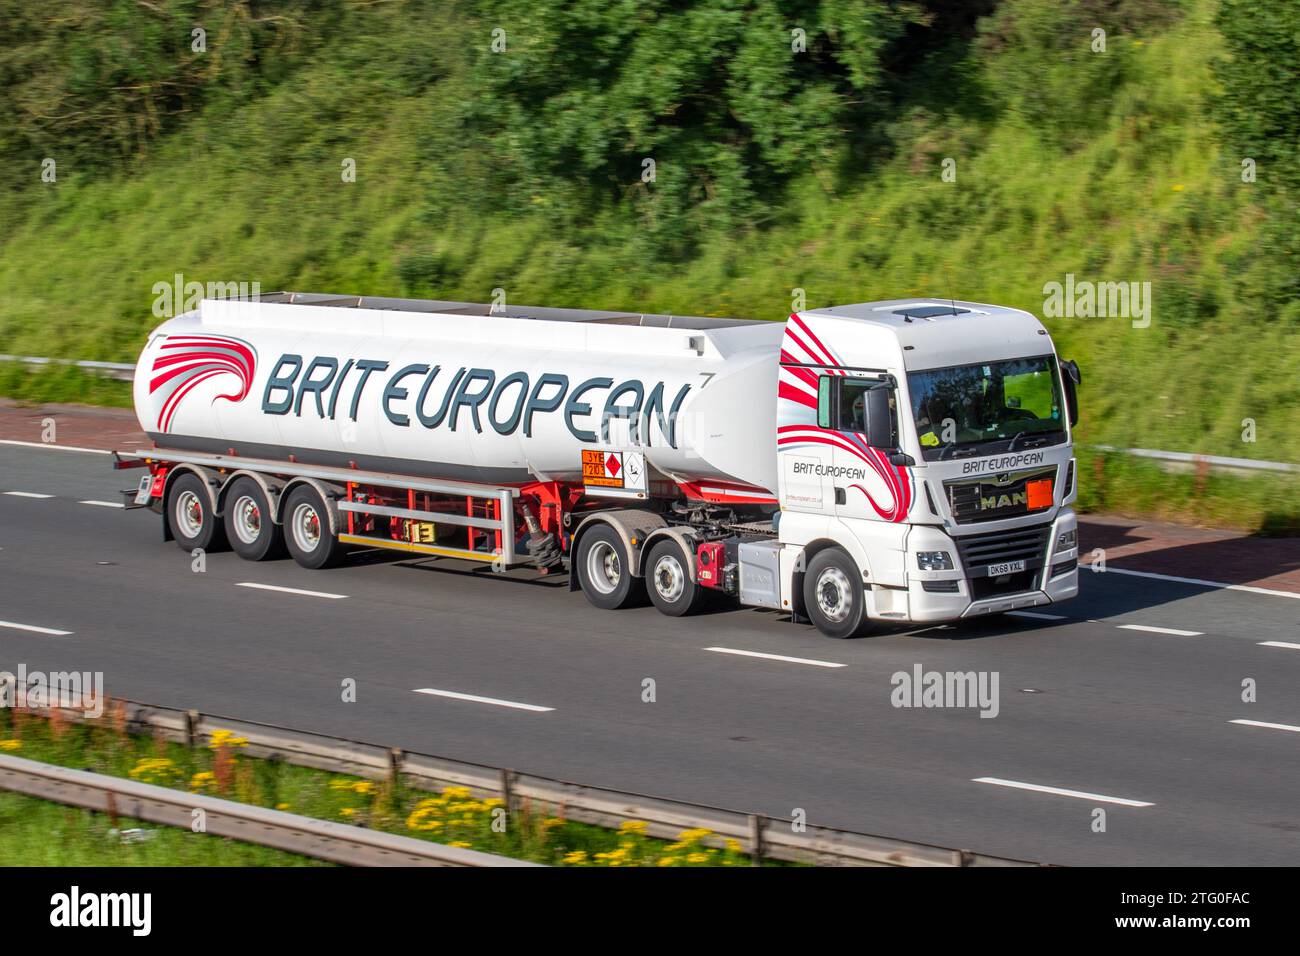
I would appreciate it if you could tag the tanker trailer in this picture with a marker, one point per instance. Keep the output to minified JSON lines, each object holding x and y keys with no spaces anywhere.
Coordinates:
{"x":900,"y":461}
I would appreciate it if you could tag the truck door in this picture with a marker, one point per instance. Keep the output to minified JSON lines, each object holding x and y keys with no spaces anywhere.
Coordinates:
{"x":871,"y":494}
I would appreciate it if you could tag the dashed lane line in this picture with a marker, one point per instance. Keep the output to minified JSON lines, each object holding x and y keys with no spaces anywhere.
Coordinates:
{"x":774,"y":657}
{"x":284,"y":590}
{"x":1062,"y":792}
{"x":475,"y":699}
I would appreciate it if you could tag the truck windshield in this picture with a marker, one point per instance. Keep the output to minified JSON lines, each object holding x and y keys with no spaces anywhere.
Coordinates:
{"x":987,"y":408}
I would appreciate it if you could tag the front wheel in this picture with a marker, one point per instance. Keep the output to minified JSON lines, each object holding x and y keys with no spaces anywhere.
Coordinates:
{"x":668,"y":579}
{"x":604,"y":571}
{"x":307,"y":529}
{"x":833,"y":595}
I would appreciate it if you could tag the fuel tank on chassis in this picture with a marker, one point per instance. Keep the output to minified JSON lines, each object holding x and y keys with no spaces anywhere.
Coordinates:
{"x":481,"y":398}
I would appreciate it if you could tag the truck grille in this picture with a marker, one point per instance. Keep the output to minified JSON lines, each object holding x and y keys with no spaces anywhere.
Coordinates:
{"x":987,"y":499}
{"x":978,"y":551}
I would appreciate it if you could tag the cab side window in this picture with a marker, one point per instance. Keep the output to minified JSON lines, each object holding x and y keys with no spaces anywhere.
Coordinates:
{"x":842,"y":406}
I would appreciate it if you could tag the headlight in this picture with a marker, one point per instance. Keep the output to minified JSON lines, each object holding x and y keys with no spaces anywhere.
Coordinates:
{"x":934,"y":560}
{"x":1067,"y":540}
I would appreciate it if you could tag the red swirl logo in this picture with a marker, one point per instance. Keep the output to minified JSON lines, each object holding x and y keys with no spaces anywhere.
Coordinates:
{"x":186,"y":360}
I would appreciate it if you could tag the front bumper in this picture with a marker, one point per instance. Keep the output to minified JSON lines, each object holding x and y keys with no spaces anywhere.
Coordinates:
{"x":933,"y":596}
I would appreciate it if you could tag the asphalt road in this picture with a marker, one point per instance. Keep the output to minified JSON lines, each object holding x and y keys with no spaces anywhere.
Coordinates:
{"x":1087,"y":703}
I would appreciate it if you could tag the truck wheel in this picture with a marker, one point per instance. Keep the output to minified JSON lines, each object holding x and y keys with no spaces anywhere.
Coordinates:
{"x":189,"y":512}
{"x":832,"y":595}
{"x":605,"y":572}
{"x":307,"y":529}
{"x":249,"y":526}
{"x":668,"y":579}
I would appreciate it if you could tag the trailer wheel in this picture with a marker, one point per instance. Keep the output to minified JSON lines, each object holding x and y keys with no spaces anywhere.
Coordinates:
{"x":833,"y":595}
{"x":668,"y":579}
{"x":307,"y":530}
{"x":604,"y":570}
{"x":249,"y":526}
{"x":189,"y":513}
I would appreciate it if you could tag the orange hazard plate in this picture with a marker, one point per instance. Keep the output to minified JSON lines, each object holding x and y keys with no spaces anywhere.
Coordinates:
{"x":1040,"y":493}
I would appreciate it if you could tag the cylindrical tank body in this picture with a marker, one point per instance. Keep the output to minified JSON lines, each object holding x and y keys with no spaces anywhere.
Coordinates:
{"x":478,"y":398}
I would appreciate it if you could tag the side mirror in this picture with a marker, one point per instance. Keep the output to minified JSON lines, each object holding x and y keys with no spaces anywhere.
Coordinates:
{"x":1070,"y":379}
{"x":880,"y":419}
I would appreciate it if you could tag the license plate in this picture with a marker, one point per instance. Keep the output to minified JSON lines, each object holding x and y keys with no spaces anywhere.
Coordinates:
{"x":142,"y":494}
{"x":1009,"y":567}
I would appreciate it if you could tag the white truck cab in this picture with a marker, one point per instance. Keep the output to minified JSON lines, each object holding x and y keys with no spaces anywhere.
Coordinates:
{"x":930,"y":441}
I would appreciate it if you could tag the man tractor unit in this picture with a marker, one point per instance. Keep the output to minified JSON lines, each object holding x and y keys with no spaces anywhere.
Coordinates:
{"x":907,"y":461}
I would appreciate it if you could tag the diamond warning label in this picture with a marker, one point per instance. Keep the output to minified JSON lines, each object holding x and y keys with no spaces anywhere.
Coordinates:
{"x":603,"y":469}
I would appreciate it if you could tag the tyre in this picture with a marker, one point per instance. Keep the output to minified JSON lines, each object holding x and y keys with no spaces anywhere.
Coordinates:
{"x":193,"y":522}
{"x":307,"y":531}
{"x":668,"y":579}
{"x":250,"y":528}
{"x":604,"y":571}
{"x":833,"y":595}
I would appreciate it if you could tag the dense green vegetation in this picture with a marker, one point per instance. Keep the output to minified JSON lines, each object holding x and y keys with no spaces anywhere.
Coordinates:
{"x":774,"y":171}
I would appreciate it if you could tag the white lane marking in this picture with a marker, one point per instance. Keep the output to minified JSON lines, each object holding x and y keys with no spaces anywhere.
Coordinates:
{"x":1160,"y":630}
{"x":1264,"y":723}
{"x":1037,"y":616}
{"x":43,"y":444}
{"x":1250,"y":589}
{"x":103,"y":504}
{"x":1286,"y":644}
{"x":28,"y":494}
{"x":34,"y":629}
{"x":1058,"y":791}
{"x":774,"y":657}
{"x":276,"y":587}
{"x":473,"y":698}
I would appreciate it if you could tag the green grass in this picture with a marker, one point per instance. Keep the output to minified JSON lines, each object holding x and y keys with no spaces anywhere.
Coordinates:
{"x":452,"y":816}
{"x":61,"y":383}
{"x":36,"y":832}
{"x":1144,"y":192}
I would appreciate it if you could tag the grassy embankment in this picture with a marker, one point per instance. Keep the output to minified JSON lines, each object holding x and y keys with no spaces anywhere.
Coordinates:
{"x":1140,"y":189}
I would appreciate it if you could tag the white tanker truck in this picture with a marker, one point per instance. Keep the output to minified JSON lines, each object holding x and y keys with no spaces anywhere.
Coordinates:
{"x":905,"y":461}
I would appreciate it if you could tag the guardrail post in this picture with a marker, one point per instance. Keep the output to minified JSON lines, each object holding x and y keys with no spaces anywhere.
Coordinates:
{"x":395,"y":757}
{"x":508,"y":793}
{"x":192,"y":729}
{"x":962,"y":857}
{"x":757,"y":825}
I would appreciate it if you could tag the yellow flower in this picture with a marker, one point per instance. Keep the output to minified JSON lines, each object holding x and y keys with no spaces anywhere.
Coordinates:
{"x":633,"y":826}
{"x":461,"y":792}
{"x":157,"y":770}
{"x":203,"y":780}
{"x":550,"y":822}
{"x":692,"y":836}
{"x":576,"y":857}
{"x":1179,"y":187}
{"x":11,"y":745}
{"x":697,"y":858}
{"x":282,"y":806}
{"x":348,"y":811}
{"x":226,"y":738}
{"x":364,"y":786}
{"x":734,"y":846}
{"x":460,"y":843}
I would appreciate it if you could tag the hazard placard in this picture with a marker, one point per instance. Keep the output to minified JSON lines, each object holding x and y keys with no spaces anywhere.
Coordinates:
{"x":603,"y":469}
{"x":618,"y":473}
